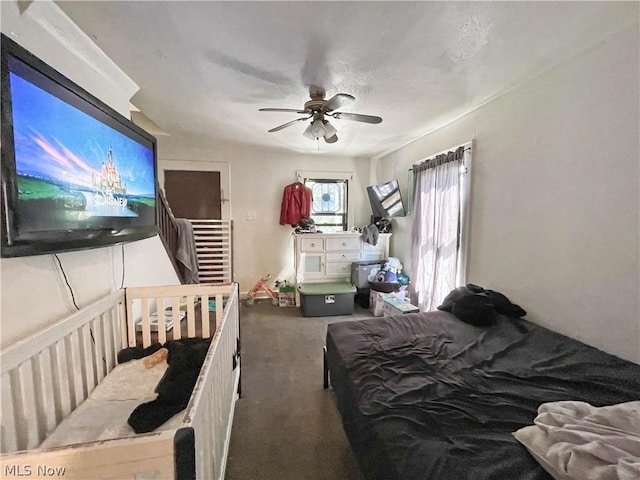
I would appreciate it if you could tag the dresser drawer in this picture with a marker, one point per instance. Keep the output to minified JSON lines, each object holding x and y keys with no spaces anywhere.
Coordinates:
{"x":338,"y":268}
{"x":311,"y":245}
{"x":337,"y":256}
{"x":344,"y":243}
{"x":373,"y":251}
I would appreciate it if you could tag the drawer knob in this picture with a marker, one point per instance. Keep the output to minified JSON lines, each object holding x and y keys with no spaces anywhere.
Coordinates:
{"x":344,"y":256}
{"x":344,"y":244}
{"x":313,"y":244}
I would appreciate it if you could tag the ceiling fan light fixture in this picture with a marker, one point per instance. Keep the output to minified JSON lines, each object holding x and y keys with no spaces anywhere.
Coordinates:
{"x":307,"y":132}
{"x":329,"y":130}
{"x":315,"y":130}
{"x":317,"y":108}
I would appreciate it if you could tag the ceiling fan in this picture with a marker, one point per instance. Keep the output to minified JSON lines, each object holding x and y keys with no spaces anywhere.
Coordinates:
{"x":318,"y":109}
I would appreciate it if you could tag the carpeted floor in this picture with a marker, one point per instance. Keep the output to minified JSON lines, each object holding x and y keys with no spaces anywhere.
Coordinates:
{"x":286,"y":426}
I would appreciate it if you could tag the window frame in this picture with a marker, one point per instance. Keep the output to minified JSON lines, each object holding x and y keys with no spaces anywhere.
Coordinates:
{"x":329,"y":177}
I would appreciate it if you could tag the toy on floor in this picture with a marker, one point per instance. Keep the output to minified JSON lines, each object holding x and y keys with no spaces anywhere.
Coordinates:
{"x":261,"y":286}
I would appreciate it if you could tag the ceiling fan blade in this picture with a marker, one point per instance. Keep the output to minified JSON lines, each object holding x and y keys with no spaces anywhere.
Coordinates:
{"x":285,"y":125}
{"x":337,"y":101}
{"x":332,"y":139}
{"x":291,"y":110}
{"x":357,"y":117}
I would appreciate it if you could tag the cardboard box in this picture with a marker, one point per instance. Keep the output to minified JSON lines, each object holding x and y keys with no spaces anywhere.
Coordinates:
{"x":287,"y":299}
{"x":376,"y":302}
{"x":286,"y":295}
{"x":393,"y":307}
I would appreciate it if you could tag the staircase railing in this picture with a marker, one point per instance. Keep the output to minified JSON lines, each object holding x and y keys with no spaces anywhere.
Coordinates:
{"x":168,"y":232}
{"x":213,"y":240}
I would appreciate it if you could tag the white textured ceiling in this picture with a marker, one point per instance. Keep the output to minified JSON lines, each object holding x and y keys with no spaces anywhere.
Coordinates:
{"x":204,"y":68}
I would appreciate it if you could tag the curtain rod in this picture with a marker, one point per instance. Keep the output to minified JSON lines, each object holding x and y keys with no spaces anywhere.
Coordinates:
{"x":440,"y":159}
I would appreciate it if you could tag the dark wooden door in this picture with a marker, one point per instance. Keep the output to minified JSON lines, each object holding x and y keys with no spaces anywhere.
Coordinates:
{"x":193,"y":194}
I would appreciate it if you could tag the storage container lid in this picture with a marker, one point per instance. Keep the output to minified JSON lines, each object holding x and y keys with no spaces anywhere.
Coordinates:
{"x":367,"y":262}
{"x":326,"y":288}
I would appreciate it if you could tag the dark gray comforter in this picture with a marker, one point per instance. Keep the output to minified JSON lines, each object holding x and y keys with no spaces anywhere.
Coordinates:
{"x":426,"y":396}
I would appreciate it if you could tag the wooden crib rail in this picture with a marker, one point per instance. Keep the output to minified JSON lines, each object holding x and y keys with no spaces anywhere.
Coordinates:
{"x":47,"y":375}
{"x":148,"y":456}
{"x":150,"y":309}
{"x":213,"y":400}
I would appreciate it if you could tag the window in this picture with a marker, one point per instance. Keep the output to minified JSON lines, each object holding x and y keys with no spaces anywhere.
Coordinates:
{"x":330,"y":194}
{"x":329,"y":207}
{"x":439,"y":226}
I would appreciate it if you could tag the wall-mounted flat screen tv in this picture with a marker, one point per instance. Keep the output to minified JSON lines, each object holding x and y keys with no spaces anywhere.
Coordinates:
{"x":75,"y":173}
{"x":385,"y":200}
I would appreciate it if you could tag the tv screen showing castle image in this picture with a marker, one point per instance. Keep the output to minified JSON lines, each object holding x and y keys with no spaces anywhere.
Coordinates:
{"x":74,"y":171}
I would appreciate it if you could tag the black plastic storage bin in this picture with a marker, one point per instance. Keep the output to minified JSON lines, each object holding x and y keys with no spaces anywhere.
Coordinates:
{"x":326,"y":299}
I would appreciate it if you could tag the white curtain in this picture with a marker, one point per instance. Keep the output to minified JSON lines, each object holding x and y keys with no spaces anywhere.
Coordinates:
{"x":436,"y":226}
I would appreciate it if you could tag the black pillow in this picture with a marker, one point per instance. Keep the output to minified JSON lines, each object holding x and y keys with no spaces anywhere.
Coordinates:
{"x":504,"y":305}
{"x":476,"y":306}
{"x":475,"y":288}
{"x":475,"y":309}
{"x":452,"y":297}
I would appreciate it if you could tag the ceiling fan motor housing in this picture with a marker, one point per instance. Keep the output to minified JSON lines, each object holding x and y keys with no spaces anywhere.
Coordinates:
{"x":314,"y":105}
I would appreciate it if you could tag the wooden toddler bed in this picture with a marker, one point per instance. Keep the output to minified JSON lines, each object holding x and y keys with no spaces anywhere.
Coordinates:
{"x":65,"y":399}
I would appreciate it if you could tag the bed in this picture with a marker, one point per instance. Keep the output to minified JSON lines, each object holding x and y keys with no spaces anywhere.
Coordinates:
{"x":427,"y":396}
{"x":66,"y":399}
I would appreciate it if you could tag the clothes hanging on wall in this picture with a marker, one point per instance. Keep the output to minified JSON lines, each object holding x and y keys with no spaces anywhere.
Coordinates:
{"x":296,"y":204}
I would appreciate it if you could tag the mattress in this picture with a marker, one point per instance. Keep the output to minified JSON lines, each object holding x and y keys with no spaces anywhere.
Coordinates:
{"x":426,"y":396}
{"x":104,"y":414}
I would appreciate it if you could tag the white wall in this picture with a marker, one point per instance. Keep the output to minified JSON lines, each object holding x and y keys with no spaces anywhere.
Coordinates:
{"x":256,"y":181}
{"x":555,"y":195}
{"x":33,"y":291}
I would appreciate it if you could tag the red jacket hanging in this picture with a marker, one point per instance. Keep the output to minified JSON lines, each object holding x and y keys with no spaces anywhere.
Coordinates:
{"x":296,"y":204}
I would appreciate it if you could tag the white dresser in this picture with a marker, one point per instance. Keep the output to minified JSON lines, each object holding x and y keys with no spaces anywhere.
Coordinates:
{"x":327,"y":257}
